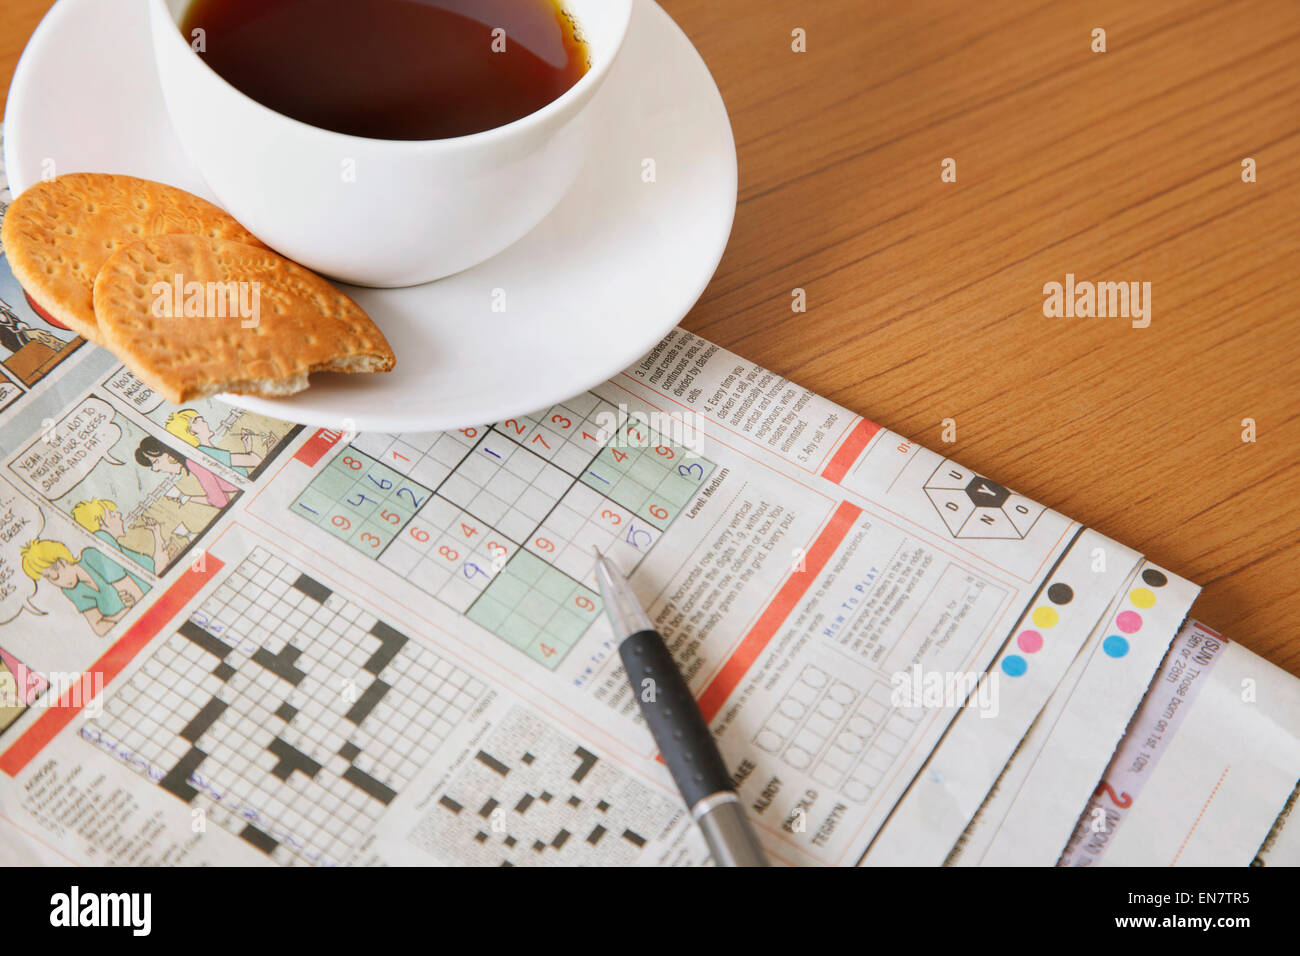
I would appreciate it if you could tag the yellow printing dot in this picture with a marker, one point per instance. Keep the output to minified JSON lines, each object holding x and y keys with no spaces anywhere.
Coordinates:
{"x":1141,"y":597}
{"x":1045,"y":617}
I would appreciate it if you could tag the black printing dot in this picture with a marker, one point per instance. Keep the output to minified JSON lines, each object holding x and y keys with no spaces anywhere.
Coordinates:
{"x":1060,"y":594}
{"x":1154,"y":578}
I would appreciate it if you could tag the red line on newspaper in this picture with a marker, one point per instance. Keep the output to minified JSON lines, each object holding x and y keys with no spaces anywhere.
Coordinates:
{"x":109,"y":665}
{"x":790,"y":594}
{"x":1213,"y":793}
{"x":853,"y":446}
{"x":315,"y":447}
{"x":736,"y":448}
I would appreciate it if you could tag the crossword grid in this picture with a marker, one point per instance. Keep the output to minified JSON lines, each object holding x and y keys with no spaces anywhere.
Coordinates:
{"x":534,"y":797}
{"x":500,"y":522}
{"x":291,"y":716}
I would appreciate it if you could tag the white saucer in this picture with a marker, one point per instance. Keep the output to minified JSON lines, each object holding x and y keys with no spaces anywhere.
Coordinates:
{"x":586,"y":294}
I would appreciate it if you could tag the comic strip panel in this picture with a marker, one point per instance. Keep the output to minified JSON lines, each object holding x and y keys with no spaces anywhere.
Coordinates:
{"x":32,"y":344}
{"x":59,"y":595}
{"x":243,"y":441}
{"x":145,"y":500}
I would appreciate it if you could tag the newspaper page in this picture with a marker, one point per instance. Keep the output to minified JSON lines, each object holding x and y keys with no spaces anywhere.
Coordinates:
{"x":1206,"y":765}
{"x":229,"y":639}
{"x":1031,"y":812}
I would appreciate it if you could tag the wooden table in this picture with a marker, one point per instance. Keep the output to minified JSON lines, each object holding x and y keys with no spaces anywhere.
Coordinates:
{"x":925,"y":298}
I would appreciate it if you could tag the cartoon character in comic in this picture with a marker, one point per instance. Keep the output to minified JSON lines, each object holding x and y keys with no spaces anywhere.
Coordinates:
{"x":102,"y":518}
{"x":97,"y":586}
{"x":28,"y":350}
{"x":196,"y":481}
{"x":193,"y":429}
{"x":15,"y":334}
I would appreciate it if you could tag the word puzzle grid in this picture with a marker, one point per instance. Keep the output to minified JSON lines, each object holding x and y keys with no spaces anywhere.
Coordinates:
{"x":287,"y":713}
{"x":532,"y":796}
{"x":500,"y":521}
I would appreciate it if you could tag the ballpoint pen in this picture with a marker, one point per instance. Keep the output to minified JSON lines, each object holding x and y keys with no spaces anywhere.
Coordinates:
{"x":678,"y":727}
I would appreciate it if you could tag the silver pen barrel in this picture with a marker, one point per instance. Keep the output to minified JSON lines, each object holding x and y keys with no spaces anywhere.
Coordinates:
{"x":732,"y":841}
{"x":685,"y":741}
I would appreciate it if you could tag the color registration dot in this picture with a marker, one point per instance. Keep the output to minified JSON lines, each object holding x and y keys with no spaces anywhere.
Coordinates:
{"x":1014,"y":665}
{"x":1141,"y":597}
{"x":1154,"y":578}
{"x":1129,"y":621}
{"x":1030,"y":641}
{"x":1115,"y":646}
{"x":1045,"y":617}
{"x":1060,"y":593}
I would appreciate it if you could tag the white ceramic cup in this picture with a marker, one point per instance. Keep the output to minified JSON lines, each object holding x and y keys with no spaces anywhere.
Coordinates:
{"x":383,"y":213}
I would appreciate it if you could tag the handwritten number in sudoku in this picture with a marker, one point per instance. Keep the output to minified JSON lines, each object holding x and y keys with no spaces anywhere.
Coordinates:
{"x":361,"y":502}
{"x":500,"y":521}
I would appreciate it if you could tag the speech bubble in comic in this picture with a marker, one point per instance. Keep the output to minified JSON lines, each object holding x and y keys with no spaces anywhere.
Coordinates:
{"x":69,"y":448}
{"x":133,"y":391}
{"x":20,"y":522}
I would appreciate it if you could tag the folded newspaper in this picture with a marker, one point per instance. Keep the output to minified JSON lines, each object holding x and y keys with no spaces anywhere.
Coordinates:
{"x":228,"y":639}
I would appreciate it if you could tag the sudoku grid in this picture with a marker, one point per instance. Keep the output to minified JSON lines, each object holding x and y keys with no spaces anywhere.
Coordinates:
{"x":288,"y":714}
{"x":500,"y":521}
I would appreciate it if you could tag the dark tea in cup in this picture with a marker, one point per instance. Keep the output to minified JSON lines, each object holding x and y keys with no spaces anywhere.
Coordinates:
{"x":393,"y":69}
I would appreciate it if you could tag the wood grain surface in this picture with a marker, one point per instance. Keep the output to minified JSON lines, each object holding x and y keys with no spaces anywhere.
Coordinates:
{"x":925,"y":298}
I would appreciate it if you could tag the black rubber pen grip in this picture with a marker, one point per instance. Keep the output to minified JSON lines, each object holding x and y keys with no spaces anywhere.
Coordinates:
{"x":679,"y":729}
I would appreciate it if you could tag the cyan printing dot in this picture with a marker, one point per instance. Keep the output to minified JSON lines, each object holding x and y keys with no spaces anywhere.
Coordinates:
{"x":1115,"y":646}
{"x":1014,"y":665}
